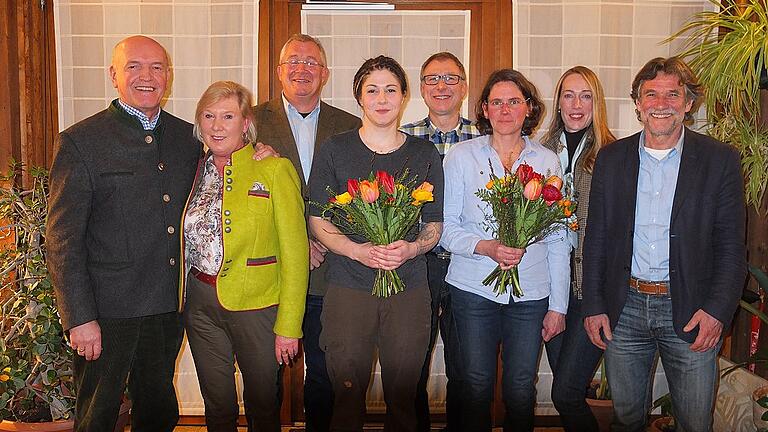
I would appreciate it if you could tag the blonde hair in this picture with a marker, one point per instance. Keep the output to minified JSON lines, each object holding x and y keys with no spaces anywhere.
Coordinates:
{"x":223,"y":90}
{"x":598,"y":135}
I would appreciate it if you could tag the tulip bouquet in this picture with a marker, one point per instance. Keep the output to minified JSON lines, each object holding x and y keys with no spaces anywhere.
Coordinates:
{"x":526,"y":208}
{"x":382,"y":209}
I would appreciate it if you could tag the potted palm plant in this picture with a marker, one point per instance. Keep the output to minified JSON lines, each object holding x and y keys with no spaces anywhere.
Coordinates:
{"x":35,"y":362}
{"x":727,"y":50}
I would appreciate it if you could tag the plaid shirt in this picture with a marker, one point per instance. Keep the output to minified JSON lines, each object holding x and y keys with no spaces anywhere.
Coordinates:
{"x":442,"y":140}
{"x":146,"y":122}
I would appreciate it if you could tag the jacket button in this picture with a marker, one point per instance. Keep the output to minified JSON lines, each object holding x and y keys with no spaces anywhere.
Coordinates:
{"x":229,"y":180}
{"x":148,"y":139}
{"x":227,"y":221}
{"x":161,"y":166}
{"x":171,"y":230}
{"x":166,"y":198}
{"x":229,"y":172}
{"x":227,"y":229}
{"x":172,"y":261}
{"x":229,"y":188}
{"x":227,"y":212}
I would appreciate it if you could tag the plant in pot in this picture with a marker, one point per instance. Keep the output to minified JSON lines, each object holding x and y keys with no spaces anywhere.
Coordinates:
{"x":759,"y":395}
{"x":599,"y":400}
{"x":36,"y":384}
{"x":35,"y":362}
{"x":665,"y":423}
{"x":727,"y":50}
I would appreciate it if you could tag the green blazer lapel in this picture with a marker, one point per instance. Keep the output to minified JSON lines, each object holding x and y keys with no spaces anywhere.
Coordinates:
{"x":687,"y":175}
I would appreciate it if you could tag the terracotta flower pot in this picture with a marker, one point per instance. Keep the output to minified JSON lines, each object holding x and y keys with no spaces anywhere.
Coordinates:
{"x":57,"y":426}
{"x":662,"y":424}
{"x":64,"y":425}
{"x":602,"y":409}
{"x":757,"y":410}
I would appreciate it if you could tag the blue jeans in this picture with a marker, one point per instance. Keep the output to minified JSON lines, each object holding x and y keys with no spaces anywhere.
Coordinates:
{"x":643,"y":331}
{"x":481,"y":325}
{"x":318,"y":392}
{"x":573,"y":359}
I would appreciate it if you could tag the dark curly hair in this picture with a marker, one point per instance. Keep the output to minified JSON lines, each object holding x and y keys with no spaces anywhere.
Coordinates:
{"x":378,"y":63}
{"x":529,"y":91}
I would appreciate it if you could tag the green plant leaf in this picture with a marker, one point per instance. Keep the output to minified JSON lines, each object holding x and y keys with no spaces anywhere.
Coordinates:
{"x":760,"y":277}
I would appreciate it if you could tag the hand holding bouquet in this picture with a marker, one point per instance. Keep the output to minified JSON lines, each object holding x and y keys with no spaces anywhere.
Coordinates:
{"x":382,"y":209}
{"x":526,"y":207}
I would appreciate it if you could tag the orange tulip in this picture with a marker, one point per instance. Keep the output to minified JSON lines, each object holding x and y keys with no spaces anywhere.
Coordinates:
{"x":555,"y":181}
{"x":532,"y":190}
{"x":369,"y":191}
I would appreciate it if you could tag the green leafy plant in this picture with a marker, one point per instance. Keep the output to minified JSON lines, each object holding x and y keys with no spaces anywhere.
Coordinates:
{"x":761,"y":355}
{"x":664,"y":403}
{"x":727,"y":50}
{"x":35,"y":362}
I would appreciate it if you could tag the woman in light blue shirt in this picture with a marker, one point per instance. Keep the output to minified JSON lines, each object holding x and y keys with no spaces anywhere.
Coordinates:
{"x":508,"y":111}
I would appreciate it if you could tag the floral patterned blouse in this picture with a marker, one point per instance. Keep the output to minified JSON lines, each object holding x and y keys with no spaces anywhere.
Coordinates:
{"x":202,"y":224}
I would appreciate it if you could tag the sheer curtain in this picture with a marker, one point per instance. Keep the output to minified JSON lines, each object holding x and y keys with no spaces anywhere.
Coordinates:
{"x":207,"y":40}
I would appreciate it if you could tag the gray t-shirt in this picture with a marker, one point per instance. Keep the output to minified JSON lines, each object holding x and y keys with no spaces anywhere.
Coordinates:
{"x":345,"y":156}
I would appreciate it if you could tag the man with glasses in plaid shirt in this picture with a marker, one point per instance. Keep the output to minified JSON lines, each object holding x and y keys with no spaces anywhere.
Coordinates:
{"x":443,"y":87}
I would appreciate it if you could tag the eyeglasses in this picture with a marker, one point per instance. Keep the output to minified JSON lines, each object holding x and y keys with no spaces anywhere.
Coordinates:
{"x":449,"y":79}
{"x":510,"y":103}
{"x":309,"y":64}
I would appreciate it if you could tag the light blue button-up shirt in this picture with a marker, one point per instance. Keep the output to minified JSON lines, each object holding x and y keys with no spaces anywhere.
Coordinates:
{"x":545,"y":267}
{"x":304,"y":132}
{"x":656,"y":184}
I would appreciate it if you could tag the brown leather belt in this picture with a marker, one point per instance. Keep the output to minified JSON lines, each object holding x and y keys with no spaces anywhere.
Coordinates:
{"x":203,"y":277}
{"x":649,"y":287}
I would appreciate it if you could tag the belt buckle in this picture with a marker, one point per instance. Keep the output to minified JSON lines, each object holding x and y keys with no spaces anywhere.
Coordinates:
{"x":443,"y":255}
{"x":650,"y":287}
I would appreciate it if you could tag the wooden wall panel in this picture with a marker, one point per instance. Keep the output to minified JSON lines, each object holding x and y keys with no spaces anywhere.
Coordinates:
{"x":27,"y":82}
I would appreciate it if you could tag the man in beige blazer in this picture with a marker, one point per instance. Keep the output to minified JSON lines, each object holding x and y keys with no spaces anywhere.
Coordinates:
{"x":295,"y":125}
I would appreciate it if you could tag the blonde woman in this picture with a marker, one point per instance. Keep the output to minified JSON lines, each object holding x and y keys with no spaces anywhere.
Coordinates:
{"x":579,"y":129}
{"x":246,"y":264}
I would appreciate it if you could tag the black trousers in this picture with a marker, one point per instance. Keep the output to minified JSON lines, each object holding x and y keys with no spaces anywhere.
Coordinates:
{"x":442,"y":318}
{"x":142,"y":351}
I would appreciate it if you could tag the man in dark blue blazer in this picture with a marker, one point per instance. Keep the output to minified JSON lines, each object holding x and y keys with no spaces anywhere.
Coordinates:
{"x":664,"y":254}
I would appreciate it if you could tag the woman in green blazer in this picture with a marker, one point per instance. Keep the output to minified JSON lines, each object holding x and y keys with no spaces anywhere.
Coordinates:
{"x":245,"y":264}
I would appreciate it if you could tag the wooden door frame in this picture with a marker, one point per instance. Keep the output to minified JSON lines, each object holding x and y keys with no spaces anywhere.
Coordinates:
{"x":490,"y":47}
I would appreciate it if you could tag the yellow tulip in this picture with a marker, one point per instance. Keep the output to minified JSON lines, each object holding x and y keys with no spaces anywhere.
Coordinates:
{"x":344,"y":198}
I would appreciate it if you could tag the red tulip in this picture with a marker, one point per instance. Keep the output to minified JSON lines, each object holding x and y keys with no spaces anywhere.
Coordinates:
{"x":387,"y":181}
{"x":369,"y":191}
{"x":551,"y":194}
{"x":532,"y":190}
{"x":524,"y":172}
{"x":353,"y":187}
